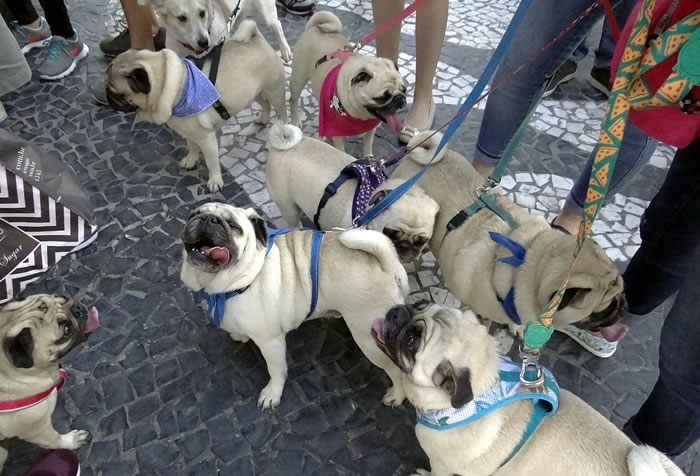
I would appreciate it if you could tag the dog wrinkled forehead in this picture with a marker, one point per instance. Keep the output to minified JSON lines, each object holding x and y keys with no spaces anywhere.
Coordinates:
{"x":43,"y":302}
{"x":223,"y":210}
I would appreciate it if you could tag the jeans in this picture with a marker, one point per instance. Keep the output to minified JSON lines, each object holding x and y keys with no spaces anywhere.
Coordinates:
{"x":606,"y":45}
{"x":669,"y":261}
{"x":54,"y":11}
{"x":515,"y":94}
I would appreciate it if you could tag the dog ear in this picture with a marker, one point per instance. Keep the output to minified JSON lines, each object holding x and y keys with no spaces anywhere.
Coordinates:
{"x":361,"y":77}
{"x":20,"y":349}
{"x":138,"y":81}
{"x":259,"y":226}
{"x":378,"y":197}
{"x":572,"y":296}
{"x":457,"y":382}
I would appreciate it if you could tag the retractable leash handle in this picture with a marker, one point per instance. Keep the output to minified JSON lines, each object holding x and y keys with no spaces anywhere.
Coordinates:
{"x":461,"y":115}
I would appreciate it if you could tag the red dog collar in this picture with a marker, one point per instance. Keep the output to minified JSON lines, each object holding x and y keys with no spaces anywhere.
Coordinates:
{"x":22,"y":403}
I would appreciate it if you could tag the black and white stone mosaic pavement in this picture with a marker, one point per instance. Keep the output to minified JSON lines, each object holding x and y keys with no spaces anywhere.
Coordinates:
{"x":163,"y":393}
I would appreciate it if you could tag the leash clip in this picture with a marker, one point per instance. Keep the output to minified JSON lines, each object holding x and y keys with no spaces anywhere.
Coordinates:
{"x":484,"y":189}
{"x":531,"y":374}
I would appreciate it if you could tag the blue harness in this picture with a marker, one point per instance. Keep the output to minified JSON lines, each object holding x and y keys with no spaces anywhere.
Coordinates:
{"x":508,"y":390}
{"x":217,"y":302}
{"x":515,"y":260}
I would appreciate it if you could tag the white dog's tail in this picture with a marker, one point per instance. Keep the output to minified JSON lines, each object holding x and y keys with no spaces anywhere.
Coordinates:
{"x":326,"y":22}
{"x":647,"y":461}
{"x":246,"y":31}
{"x":284,"y":136}
{"x":379,"y":246}
{"x":425,"y":148}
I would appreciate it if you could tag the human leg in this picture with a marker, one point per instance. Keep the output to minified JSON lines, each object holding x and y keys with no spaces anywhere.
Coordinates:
{"x":56,"y":16}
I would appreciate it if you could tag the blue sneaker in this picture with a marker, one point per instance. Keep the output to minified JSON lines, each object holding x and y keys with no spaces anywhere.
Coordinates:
{"x":62,"y":56}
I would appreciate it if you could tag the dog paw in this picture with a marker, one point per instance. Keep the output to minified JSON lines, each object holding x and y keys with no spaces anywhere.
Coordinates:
{"x":421,"y":472}
{"x":239,"y":337}
{"x":270,"y":396}
{"x":262,"y":118}
{"x":75,"y":439}
{"x":286,"y":55}
{"x":516,"y":330}
{"x":188,"y":163}
{"x":215,"y":183}
{"x":394,"y":396}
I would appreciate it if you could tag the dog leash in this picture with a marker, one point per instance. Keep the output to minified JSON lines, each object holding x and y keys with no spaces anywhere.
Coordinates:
{"x":457,"y":121}
{"x":629,"y":92}
{"x":227,"y":31}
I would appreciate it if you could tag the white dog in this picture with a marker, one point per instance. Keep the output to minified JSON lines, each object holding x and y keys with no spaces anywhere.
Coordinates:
{"x":192,"y":26}
{"x":261,"y":287}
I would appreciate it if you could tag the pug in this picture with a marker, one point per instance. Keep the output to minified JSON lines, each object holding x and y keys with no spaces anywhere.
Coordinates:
{"x":479,"y":270}
{"x":448,"y":359}
{"x":193,"y":26}
{"x":152,"y":84}
{"x":35,"y":333}
{"x":356,"y":93}
{"x":298,"y":171}
{"x":359,"y":277}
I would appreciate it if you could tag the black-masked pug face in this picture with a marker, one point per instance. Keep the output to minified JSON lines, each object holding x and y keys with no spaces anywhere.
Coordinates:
{"x":409,"y":222}
{"x":376,"y":85}
{"x":41,"y":329}
{"x":216,"y":235}
{"x":444,"y":354}
{"x":128,"y":83}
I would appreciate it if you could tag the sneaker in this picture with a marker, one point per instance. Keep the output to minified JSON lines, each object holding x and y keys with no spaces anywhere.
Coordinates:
{"x":29,"y":38}
{"x":62,"y":56}
{"x":593,"y":343}
{"x":565,"y":73}
{"x":600,"y":79}
{"x":59,"y":462}
{"x":298,"y":7}
{"x":114,"y":46}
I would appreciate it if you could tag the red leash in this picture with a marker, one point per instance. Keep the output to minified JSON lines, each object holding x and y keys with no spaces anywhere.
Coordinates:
{"x":612,"y":21}
{"x":22,"y":403}
{"x":391,"y":23}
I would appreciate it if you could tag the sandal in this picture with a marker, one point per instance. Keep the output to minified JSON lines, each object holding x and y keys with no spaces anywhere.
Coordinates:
{"x":594,"y":344}
{"x":409,"y":132}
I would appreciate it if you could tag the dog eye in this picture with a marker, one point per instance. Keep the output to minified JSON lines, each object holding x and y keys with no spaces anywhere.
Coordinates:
{"x":182,"y":18}
{"x":412,"y":338}
{"x":420,"y":241}
{"x":202,"y":13}
{"x":67,"y":330}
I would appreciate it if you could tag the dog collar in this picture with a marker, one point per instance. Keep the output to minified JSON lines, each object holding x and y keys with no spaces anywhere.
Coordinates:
{"x":368,"y":173}
{"x":22,"y":403}
{"x":509,"y":389}
{"x":517,"y":257}
{"x":216,"y":303}
{"x":333,"y":119}
{"x":198,"y":93}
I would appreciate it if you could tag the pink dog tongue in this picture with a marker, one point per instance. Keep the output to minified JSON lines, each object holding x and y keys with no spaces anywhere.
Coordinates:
{"x":615,"y":332}
{"x":93,"y":320}
{"x":393,"y":123}
{"x":219,"y":254}
{"x":378,"y":328}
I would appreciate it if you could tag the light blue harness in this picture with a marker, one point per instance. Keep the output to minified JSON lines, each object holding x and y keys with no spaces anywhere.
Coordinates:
{"x":217,"y":302}
{"x":508,"y":390}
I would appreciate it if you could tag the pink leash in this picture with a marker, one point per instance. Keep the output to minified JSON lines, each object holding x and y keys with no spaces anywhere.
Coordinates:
{"x":391,"y":23}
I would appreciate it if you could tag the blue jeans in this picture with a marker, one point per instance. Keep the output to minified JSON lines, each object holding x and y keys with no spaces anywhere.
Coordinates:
{"x":508,"y":105}
{"x":606,"y":45}
{"x":669,"y":261}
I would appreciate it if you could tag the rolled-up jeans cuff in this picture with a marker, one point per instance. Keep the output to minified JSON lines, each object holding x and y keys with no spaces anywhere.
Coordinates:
{"x":571,"y":204}
{"x":485,"y":159}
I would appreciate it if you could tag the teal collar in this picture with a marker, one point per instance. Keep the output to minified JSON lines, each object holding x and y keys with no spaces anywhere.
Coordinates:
{"x":509,"y":389}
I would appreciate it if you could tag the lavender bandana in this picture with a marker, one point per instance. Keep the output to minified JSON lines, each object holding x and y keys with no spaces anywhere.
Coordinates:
{"x":198,"y":93}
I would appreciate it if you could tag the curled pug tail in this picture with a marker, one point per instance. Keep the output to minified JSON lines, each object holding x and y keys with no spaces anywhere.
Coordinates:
{"x":647,"y":461}
{"x":284,"y":136}
{"x":245,"y":32}
{"x":423,"y":147}
{"x":326,"y":22}
{"x":380,"y":247}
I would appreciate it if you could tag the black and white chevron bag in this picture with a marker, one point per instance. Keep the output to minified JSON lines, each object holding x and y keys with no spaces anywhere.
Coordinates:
{"x":44,"y":213}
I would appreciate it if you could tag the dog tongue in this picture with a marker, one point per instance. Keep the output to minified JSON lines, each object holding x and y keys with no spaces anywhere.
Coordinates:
{"x":615,"y":332}
{"x":219,"y":254}
{"x":378,"y":328}
{"x":393,"y":123}
{"x":93,"y":320}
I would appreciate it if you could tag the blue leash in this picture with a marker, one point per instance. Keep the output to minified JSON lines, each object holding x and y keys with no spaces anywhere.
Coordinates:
{"x":461,"y":115}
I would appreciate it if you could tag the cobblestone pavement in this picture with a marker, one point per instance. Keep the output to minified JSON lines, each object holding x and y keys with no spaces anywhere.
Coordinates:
{"x":163,"y":393}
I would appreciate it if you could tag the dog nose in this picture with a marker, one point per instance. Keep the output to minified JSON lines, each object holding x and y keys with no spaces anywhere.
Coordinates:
{"x":79,"y":311}
{"x":203,"y":43}
{"x":399,"y":316}
{"x":212,"y":220}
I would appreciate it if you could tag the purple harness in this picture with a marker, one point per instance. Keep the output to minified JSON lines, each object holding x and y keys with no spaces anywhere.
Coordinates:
{"x":369,"y":174}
